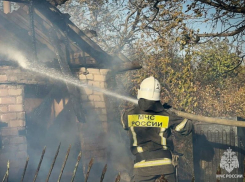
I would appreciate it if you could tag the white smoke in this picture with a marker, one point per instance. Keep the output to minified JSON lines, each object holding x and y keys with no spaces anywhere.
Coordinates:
{"x":14,"y":55}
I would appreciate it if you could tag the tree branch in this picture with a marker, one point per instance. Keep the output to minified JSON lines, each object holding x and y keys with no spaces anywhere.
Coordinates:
{"x":153,"y":18}
{"x":237,"y":31}
{"x":136,"y":21}
{"x":127,"y":19}
{"x":224,"y":6}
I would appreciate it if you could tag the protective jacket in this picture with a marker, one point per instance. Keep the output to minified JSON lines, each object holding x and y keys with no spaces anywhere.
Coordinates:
{"x":149,"y":125}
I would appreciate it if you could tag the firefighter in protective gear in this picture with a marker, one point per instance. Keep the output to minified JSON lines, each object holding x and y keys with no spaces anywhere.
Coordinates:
{"x":149,"y":125}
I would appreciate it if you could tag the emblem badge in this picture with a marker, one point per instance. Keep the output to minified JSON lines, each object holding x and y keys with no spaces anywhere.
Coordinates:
{"x":229,"y":161}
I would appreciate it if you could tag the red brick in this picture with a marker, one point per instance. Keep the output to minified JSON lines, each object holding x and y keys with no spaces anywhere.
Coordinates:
{"x":99,"y":105}
{"x":17,"y":107}
{"x":12,"y":86}
{"x":103,"y":85}
{"x":98,"y":93}
{"x":92,"y":70}
{"x":19,"y":100}
{"x":20,"y":115}
{"x":90,"y":77}
{"x":9,"y":131}
{"x":104,"y":71}
{"x":3,"y":78}
{"x":82,"y":77}
{"x":15,"y":91}
{"x":3,"y":109}
{"x":94,"y":98}
{"x":99,"y":77}
{"x":16,"y":123}
{"x":7,"y":100}
{"x":8,"y":116}
{"x":17,"y":140}
{"x":3,"y":92}
{"x":12,"y":78}
{"x":94,"y":83}
{"x":87,"y":91}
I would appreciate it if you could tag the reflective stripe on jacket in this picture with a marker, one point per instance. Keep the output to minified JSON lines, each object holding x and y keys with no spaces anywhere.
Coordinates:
{"x":150,"y":135}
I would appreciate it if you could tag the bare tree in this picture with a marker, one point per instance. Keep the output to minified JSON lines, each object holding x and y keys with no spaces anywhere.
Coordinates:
{"x":119,"y":25}
{"x":226,"y":18}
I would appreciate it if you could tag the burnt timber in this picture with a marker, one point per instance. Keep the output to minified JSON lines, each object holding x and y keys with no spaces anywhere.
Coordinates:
{"x":84,"y":52}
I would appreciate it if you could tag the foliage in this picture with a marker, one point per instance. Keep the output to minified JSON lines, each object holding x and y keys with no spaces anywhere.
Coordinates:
{"x":203,"y":79}
{"x":215,"y":61}
{"x":207,"y":79}
{"x":186,"y":85}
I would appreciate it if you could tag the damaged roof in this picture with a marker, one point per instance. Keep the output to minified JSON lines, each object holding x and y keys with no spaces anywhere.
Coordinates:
{"x":15,"y":29}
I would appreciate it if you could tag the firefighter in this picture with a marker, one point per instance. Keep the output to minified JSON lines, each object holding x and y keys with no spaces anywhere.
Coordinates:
{"x":149,"y":125}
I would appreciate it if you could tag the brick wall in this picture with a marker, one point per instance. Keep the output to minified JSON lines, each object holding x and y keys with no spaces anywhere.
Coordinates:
{"x":12,"y":116}
{"x":9,"y":74}
{"x":93,"y":139}
{"x":13,"y":145}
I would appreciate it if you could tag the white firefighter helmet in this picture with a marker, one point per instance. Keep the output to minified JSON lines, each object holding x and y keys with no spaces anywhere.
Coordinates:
{"x":150,"y":89}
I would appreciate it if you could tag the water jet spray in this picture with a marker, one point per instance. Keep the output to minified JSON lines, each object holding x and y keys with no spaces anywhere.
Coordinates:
{"x":54,"y":74}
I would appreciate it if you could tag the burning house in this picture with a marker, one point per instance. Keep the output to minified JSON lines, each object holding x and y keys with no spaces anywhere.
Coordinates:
{"x":55,"y":100}
{"x":37,"y":110}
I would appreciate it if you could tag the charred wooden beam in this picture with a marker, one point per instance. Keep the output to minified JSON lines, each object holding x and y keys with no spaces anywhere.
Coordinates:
{"x":56,"y":2}
{"x":14,"y":31}
{"x":61,"y":22}
{"x":126,"y":67}
{"x":65,"y":69}
{"x":20,"y":35}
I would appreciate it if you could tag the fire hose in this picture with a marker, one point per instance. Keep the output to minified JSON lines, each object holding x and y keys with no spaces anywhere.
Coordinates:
{"x":209,"y":119}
